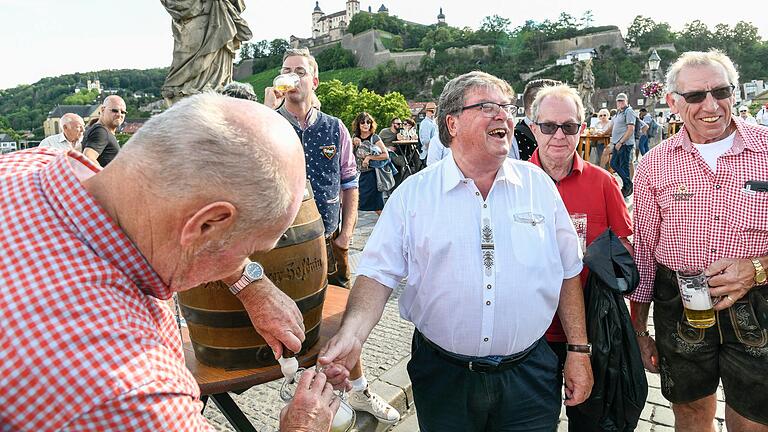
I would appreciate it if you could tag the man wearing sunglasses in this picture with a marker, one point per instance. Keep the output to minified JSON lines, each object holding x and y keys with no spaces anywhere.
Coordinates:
{"x":557,"y":114}
{"x":701,"y":202}
{"x":482,"y":285}
{"x":99,"y":142}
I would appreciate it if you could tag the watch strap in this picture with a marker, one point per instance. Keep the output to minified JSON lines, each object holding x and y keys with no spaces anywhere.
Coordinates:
{"x":645,"y":333}
{"x":760,"y":276}
{"x":585,"y":349}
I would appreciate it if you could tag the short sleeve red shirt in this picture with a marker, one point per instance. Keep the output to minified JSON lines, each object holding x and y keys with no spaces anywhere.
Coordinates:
{"x":593,"y":191}
{"x":87,"y":340}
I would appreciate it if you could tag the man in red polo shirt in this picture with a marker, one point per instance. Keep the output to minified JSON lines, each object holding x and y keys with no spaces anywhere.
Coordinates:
{"x":558,"y":114}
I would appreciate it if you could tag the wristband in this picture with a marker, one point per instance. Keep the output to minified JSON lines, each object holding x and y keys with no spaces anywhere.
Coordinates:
{"x":645,"y":333}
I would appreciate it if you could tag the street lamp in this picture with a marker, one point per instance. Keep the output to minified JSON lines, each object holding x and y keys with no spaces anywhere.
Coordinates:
{"x":653,"y":64}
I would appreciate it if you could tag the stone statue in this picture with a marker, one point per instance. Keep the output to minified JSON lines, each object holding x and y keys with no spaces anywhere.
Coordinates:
{"x":206,"y":34}
{"x":587,"y":86}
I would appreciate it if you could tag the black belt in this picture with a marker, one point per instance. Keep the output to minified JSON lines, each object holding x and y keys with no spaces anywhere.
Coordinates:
{"x":478,"y":364}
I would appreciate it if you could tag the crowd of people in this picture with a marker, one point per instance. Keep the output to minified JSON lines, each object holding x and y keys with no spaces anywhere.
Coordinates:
{"x":97,"y":240}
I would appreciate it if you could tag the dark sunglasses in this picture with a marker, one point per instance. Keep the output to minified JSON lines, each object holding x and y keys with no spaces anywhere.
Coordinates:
{"x":115,"y":110}
{"x":549,"y":128}
{"x":719,"y":93}
{"x":368,"y":121}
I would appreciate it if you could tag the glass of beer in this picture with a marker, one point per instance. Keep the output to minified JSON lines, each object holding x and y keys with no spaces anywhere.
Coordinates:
{"x":580,"y":224}
{"x":345,"y":416}
{"x":697,"y":303}
{"x":285,"y":83}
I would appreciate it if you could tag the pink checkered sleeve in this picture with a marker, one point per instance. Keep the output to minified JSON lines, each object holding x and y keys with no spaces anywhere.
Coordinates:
{"x":647,"y":224}
{"x":156,"y":406}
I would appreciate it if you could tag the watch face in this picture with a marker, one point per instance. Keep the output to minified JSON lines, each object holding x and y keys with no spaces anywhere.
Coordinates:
{"x":254,"y":270}
{"x":761,"y":278}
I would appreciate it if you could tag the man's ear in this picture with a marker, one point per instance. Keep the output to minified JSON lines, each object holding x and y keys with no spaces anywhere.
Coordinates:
{"x":213,"y":221}
{"x":450,"y":123}
{"x":672,"y":102}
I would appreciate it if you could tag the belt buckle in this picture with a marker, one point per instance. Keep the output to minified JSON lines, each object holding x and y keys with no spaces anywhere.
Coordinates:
{"x":479,"y":367}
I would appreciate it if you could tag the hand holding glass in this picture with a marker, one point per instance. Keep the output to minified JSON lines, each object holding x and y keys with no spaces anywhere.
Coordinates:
{"x":694,"y":293}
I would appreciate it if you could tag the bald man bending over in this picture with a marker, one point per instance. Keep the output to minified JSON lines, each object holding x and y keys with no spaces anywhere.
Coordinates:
{"x":89,"y":342}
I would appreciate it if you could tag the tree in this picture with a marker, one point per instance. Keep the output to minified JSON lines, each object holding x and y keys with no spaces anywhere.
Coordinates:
{"x":278,"y":47}
{"x":345,"y":101}
{"x":695,"y":36}
{"x":335,"y":57}
{"x":360,"y":23}
{"x":586,"y":19}
{"x":85,"y":97}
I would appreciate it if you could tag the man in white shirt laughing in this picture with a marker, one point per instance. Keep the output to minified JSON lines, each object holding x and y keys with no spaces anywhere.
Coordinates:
{"x":483,"y":283}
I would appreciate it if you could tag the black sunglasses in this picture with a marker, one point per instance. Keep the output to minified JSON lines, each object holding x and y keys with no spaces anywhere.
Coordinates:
{"x":719,"y":93}
{"x":549,"y":128}
{"x":115,"y":110}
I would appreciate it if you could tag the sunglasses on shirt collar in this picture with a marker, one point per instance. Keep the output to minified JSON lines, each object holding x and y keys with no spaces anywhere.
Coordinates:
{"x":719,"y":93}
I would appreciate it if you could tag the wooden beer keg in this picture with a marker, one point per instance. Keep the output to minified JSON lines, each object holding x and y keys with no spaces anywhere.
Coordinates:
{"x":220,"y":329}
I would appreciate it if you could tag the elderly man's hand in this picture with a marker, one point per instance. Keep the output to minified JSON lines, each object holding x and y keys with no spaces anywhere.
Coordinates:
{"x":730,"y":278}
{"x":274,"y":315}
{"x":339,"y":356}
{"x":313,"y":405}
{"x":648,"y":353}
{"x":577,"y":375}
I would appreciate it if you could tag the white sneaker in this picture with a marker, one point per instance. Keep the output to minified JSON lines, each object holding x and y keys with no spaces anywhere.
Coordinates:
{"x":374,"y":404}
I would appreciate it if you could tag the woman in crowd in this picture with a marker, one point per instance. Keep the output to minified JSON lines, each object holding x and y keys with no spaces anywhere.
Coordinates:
{"x":408,"y":132}
{"x":368,"y":147}
{"x":603,"y":120}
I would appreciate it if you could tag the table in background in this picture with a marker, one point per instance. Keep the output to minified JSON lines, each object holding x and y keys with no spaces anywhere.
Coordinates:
{"x":674,"y":127}
{"x":216,"y":383}
{"x":586,"y":141}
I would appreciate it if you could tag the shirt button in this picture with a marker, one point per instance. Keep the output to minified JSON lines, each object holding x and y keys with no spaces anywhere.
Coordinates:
{"x":477,"y":193}
{"x":488,"y":303}
{"x":713,"y":250}
{"x":488,"y":286}
{"x":717,"y":217}
{"x":717,"y":186}
{"x":485,"y":205}
{"x":485,"y":339}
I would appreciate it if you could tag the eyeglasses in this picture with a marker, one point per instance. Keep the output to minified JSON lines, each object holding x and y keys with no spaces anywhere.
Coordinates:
{"x":300,"y":71}
{"x":491,"y":109}
{"x":366,"y":121}
{"x":116,"y":111}
{"x":397,"y":123}
{"x":719,"y":93}
{"x":550,"y":128}
{"x":602,"y":115}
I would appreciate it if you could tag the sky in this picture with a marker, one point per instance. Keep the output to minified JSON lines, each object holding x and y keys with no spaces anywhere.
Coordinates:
{"x":41,"y":38}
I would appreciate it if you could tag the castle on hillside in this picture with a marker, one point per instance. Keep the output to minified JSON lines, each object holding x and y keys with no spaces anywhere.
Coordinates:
{"x":332,"y":27}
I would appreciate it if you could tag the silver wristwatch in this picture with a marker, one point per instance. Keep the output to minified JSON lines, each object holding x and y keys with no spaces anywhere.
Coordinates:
{"x":253,"y":272}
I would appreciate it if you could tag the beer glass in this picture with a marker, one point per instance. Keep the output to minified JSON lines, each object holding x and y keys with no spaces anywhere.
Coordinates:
{"x":697,"y":303}
{"x":285,"y":83}
{"x":580,"y":224}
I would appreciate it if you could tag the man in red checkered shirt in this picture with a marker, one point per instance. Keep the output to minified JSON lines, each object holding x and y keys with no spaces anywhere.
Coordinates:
{"x":89,"y":258}
{"x":701,"y":202}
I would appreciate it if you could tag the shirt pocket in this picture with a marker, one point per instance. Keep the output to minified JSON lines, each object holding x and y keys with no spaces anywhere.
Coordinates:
{"x":530,"y":239}
{"x":749,"y":220}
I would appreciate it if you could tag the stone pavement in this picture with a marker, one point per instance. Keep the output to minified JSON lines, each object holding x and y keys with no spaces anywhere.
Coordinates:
{"x":385,"y":355}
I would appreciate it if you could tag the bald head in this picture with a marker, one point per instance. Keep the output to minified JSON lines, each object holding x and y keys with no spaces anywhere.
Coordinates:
{"x":112,"y":112}
{"x":213,"y":147}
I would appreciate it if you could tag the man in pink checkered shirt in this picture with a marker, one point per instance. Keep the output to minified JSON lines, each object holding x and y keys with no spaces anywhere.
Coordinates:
{"x":701,"y":202}
{"x":89,"y":258}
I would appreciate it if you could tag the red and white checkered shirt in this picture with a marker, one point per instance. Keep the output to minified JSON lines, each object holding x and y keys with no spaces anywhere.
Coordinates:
{"x":688,"y":216}
{"x":86,"y":341}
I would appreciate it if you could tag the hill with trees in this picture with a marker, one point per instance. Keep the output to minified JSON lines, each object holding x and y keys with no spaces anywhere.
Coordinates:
{"x":25,"y":107}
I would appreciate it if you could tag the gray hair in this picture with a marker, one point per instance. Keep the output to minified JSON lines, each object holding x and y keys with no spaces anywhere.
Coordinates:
{"x":561,"y":91}
{"x":193,"y":149}
{"x":303,"y":52}
{"x":69,"y":118}
{"x":240,"y":91}
{"x":700,"y":58}
{"x":452,"y":99}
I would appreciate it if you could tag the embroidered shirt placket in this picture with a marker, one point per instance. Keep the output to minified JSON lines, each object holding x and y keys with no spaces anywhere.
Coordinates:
{"x":487,"y":248}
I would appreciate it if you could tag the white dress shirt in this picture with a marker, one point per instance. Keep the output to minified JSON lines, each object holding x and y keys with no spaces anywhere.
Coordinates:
{"x":437,"y":151}
{"x":483,"y":276}
{"x":59,"y":142}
